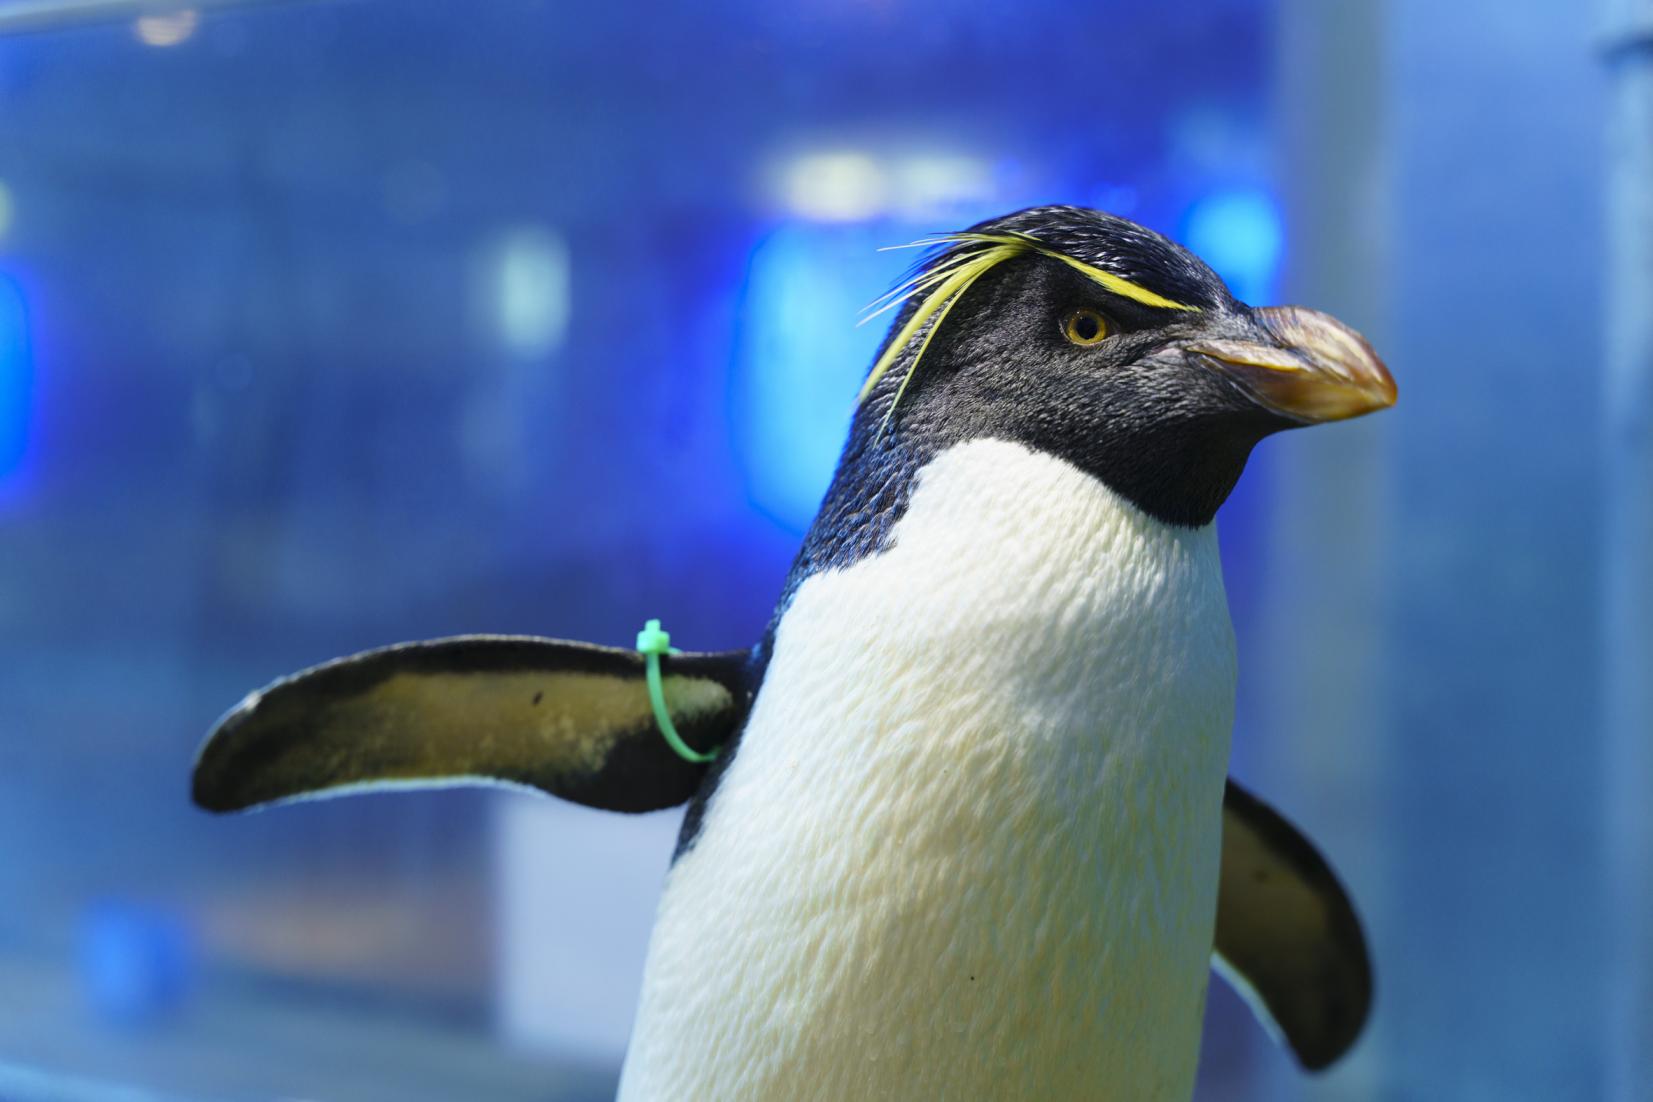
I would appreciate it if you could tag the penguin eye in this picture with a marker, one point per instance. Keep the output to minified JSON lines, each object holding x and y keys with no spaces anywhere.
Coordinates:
{"x":1084,"y":327}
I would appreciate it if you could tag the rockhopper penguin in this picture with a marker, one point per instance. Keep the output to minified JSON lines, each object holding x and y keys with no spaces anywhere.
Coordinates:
{"x":969,"y":833}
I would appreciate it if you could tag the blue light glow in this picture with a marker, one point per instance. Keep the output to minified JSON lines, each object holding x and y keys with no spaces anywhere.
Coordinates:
{"x":135,"y":961}
{"x":1239,"y":234}
{"x":800,"y":356}
{"x":16,"y":383}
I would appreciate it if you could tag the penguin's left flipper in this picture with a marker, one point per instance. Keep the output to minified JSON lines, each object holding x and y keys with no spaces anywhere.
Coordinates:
{"x":1287,"y":937}
{"x":570,"y":719}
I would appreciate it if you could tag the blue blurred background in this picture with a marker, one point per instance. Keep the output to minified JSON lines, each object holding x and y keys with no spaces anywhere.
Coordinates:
{"x":327,"y":325}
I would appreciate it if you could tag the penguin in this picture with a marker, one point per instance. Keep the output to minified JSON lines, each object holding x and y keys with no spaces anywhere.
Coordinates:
{"x":959,"y":825}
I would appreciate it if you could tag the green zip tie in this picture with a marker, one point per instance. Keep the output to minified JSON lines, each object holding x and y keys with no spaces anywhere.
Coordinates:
{"x":652,"y":643}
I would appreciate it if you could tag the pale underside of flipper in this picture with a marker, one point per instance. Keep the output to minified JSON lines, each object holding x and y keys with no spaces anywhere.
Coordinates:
{"x":574,"y":721}
{"x":1287,"y":936}
{"x":569,"y":719}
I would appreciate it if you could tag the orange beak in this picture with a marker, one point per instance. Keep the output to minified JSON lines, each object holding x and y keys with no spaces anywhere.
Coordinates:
{"x":1313,"y":368}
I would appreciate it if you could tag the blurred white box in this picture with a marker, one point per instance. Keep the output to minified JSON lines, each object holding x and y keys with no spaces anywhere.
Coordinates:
{"x":576,"y":891}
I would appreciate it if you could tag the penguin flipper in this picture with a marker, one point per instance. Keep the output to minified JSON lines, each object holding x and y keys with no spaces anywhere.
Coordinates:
{"x":570,"y":719}
{"x":1287,"y":937}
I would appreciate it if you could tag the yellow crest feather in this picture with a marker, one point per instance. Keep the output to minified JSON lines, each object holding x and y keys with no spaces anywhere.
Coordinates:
{"x":952,"y":275}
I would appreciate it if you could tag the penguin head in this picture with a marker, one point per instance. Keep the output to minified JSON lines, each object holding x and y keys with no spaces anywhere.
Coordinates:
{"x":1094,"y":339}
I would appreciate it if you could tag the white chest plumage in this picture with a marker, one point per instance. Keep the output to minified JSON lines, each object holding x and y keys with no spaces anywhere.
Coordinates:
{"x":969,"y":846}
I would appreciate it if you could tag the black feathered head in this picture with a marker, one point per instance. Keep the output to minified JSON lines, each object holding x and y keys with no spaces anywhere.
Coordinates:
{"x":1095,"y":339}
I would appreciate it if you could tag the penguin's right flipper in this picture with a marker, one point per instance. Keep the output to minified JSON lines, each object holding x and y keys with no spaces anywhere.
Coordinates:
{"x":570,"y":719}
{"x":1287,"y":937}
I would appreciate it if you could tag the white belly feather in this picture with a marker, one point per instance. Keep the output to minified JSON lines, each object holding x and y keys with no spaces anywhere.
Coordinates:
{"x":969,"y":846}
